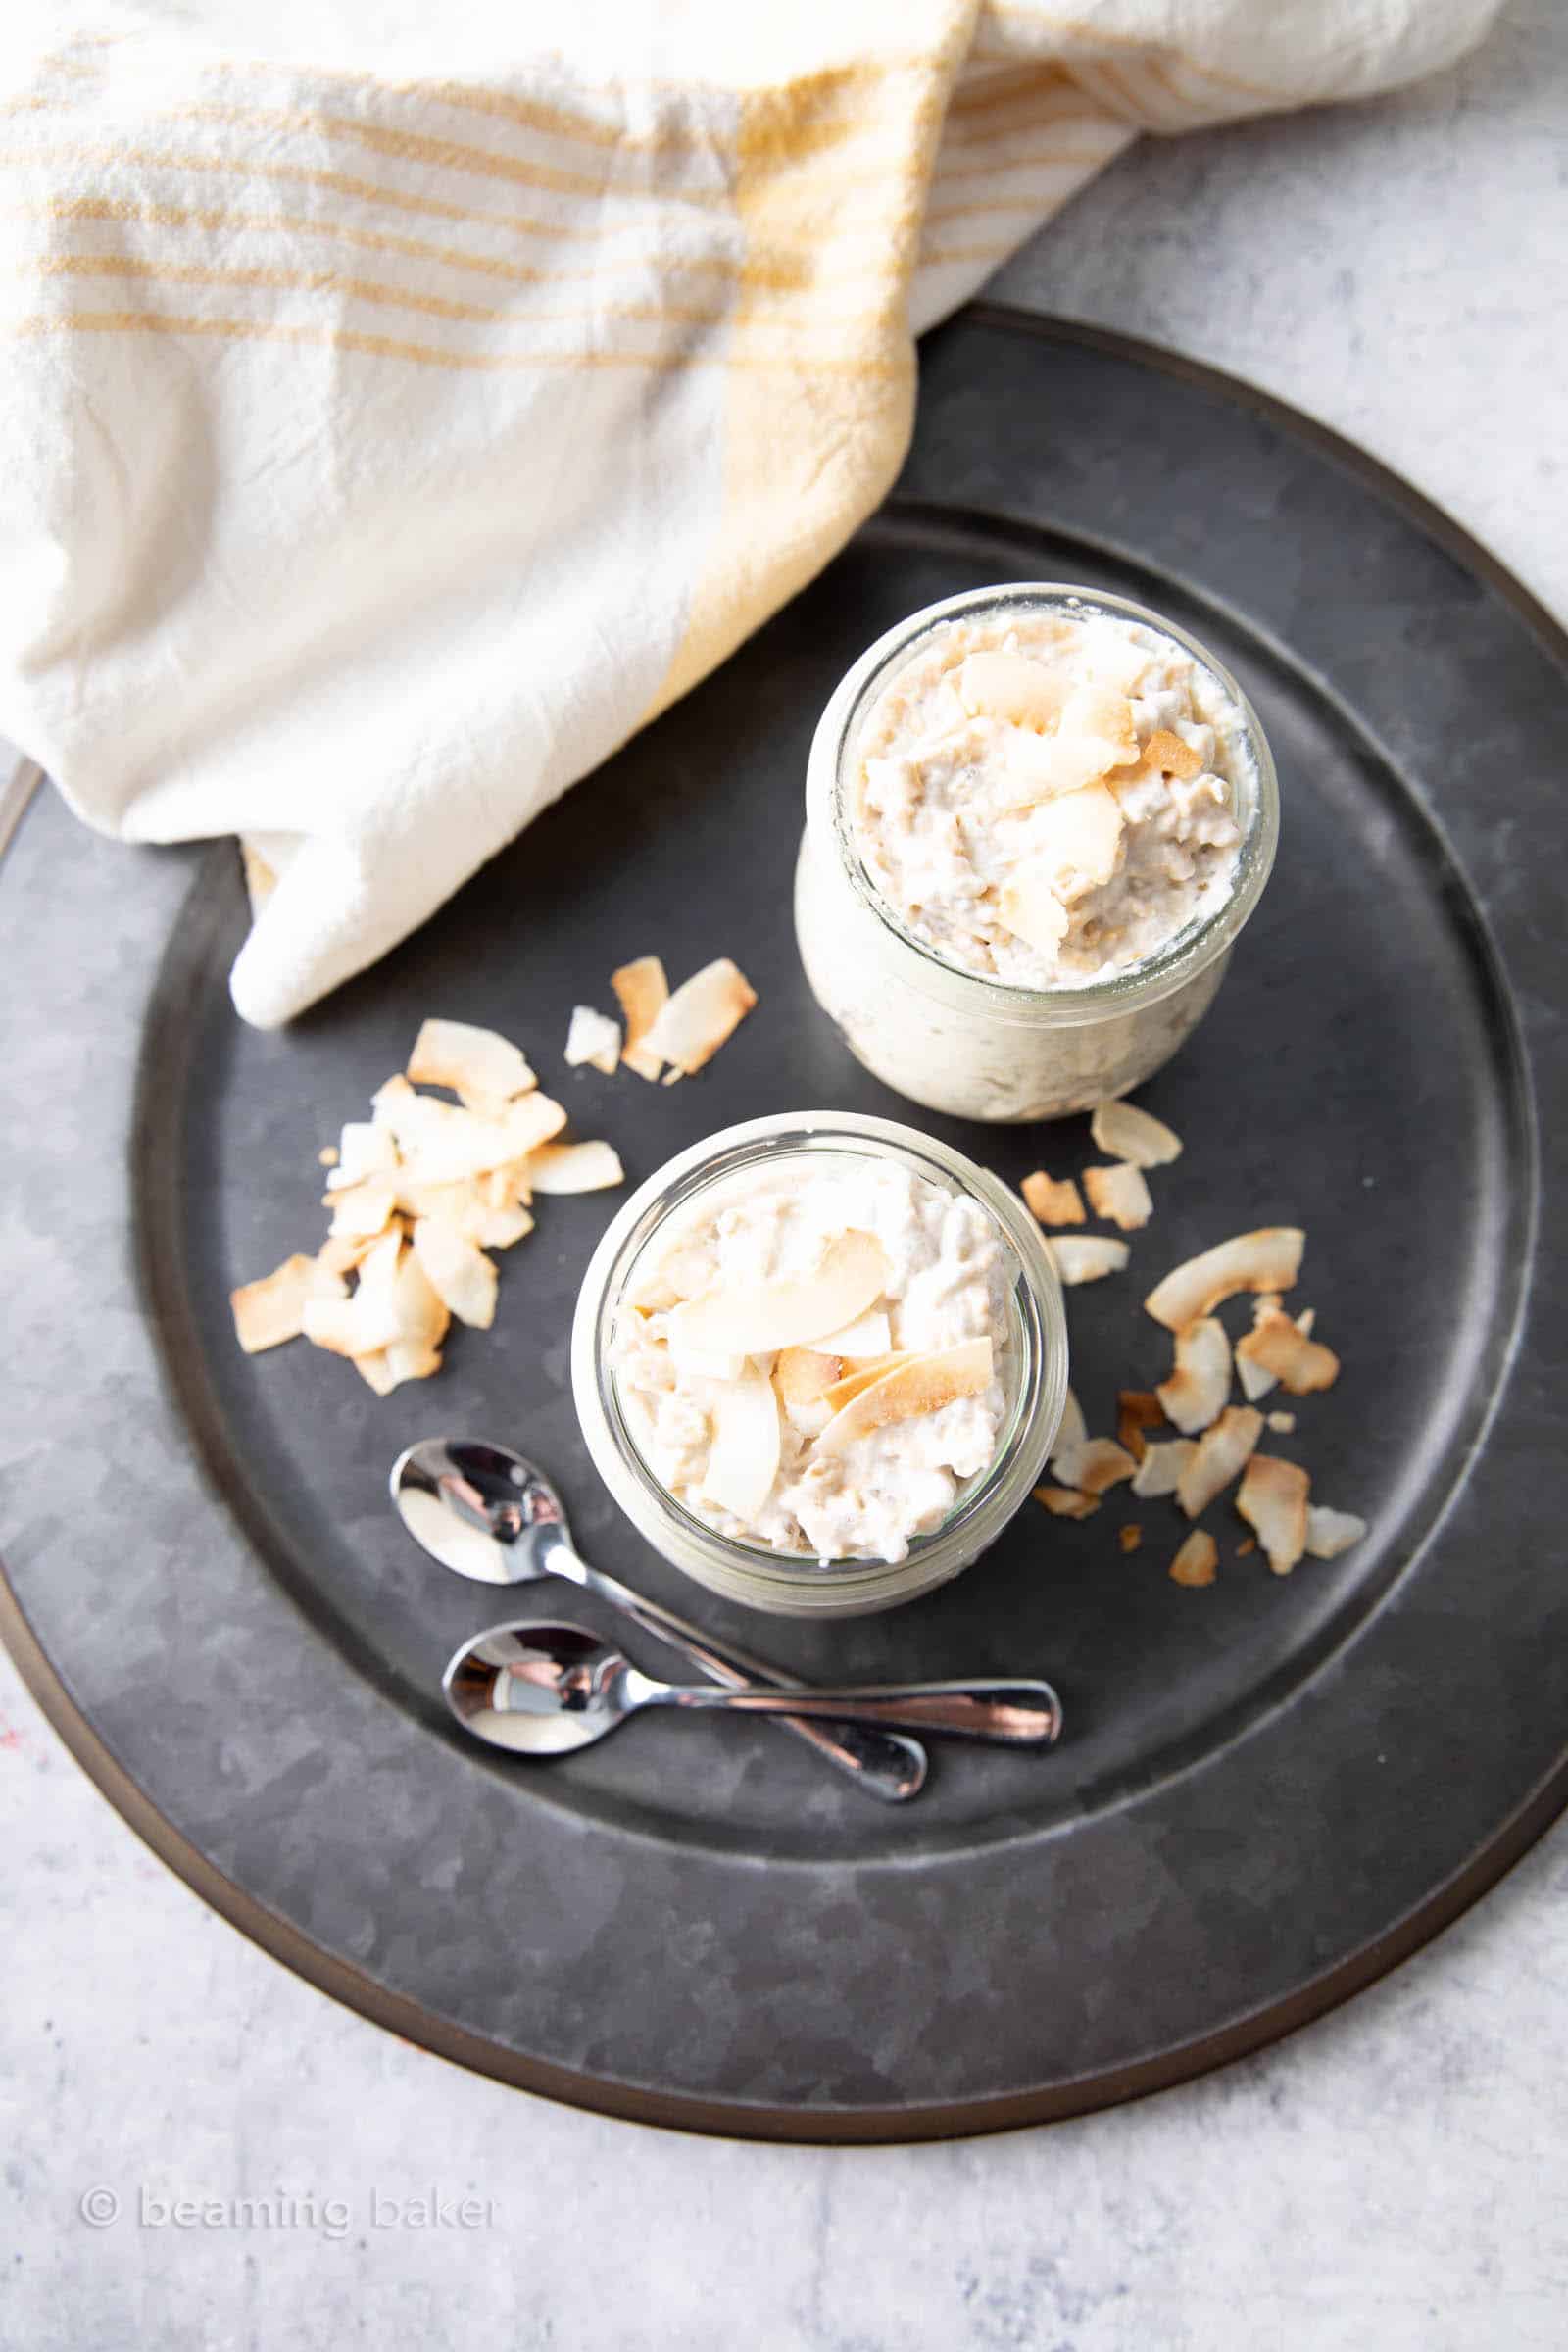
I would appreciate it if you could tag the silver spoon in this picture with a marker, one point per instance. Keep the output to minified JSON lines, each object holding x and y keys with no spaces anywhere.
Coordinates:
{"x":547,"y":1690}
{"x":484,"y":1512}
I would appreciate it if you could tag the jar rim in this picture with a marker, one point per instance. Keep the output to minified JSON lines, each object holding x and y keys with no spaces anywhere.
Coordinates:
{"x":746,"y":1570}
{"x":1177,"y":959}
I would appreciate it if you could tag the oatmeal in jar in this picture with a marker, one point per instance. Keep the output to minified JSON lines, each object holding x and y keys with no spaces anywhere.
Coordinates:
{"x":1037,"y":820}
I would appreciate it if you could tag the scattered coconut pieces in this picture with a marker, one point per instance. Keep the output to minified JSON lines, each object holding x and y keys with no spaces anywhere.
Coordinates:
{"x":1161,"y":1470}
{"x":1029,"y":905}
{"x":1282,"y":1424}
{"x":1130,"y":1536}
{"x":461,"y":1277}
{"x":1119,"y":1194}
{"x":1279,"y":1347}
{"x":1054,"y":1204}
{"x":922,"y":1384}
{"x":1329,"y":1532}
{"x":575,"y":1168}
{"x":692,"y":1024}
{"x":1268,"y":1260}
{"x":269,"y":1312}
{"x":1137,"y":1409}
{"x":1195,"y":1394}
{"x":1198,"y":1561}
{"x":593,"y":1039}
{"x":1272,"y":1499}
{"x":642,"y":992}
{"x":1095,"y":1466}
{"x":1220,"y":1452}
{"x":1256,"y":1381}
{"x":327,"y":1156}
{"x":483,"y":1070}
{"x":417,"y":1194}
{"x":850,"y":1384}
{"x":1124,"y":1132}
{"x":1065,"y":1503}
{"x":1086,"y":1257}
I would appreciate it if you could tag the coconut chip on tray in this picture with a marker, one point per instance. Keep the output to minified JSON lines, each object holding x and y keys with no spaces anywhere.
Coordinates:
{"x":417,"y":1194}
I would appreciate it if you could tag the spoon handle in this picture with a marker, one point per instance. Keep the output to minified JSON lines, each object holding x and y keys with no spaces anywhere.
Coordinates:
{"x":879,"y":1761}
{"x":1012,"y":1713}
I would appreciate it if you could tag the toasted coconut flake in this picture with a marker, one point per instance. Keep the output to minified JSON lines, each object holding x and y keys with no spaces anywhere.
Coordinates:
{"x":575,"y":1168}
{"x":271,"y":1310}
{"x":468,"y":1209}
{"x":508,"y":1186}
{"x":1012,"y":687}
{"x":1124,"y":1132}
{"x":1086,"y":1257}
{"x":802,"y":1377}
{"x":422,"y":1316}
{"x":1266,"y":1260}
{"x":362,"y":1211}
{"x":1167,"y":754}
{"x":1137,"y":1409}
{"x":1095,"y":1466}
{"x":1073,"y":1429}
{"x":365,"y":1149}
{"x":375,"y":1370}
{"x":461,"y":1275}
{"x":868,"y":1335}
{"x":593,"y":1039}
{"x":1130,"y":1536}
{"x":1273,"y":1500}
{"x":1119,"y":1194}
{"x":744,"y":1460}
{"x":1077,"y":843}
{"x":1065,"y":1503}
{"x":1159,"y":1472}
{"x":327,"y":1156}
{"x":1197,"y":1390}
{"x":462,"y":1145}
{"x":1027,"y":903}
{"x":923,"y":1385}
{"x":754,"y":1318}
{"x":642,"y":992}
{"x":410,"y":1359}
{"x":672,"y":1077}
{"x":1282,"y":1424}
{"x":342,"y":1255}
{"x":850,"y":1384}
{"x":1256,"y":1380}
{"x":1279,"y":1347}
{"x":473,"y":1062}
{"x":1093,"y":736}
{"x":1054,"y":1202}
{"x":1221,"y":1452}
{"x":1244,"y":1550}
{"x":703,"y":1012}
{"x":1198,"y":1561}
{"x":1329,"y":1532}
{"x":369,"y":1321}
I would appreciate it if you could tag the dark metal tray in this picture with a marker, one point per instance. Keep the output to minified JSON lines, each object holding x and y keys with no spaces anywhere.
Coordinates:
{"x":1269,"y":1791}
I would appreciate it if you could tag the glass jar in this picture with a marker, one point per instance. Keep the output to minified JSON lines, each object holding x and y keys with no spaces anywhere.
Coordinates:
{"x":955,"y":1040}
{"x":1034,"y":1373}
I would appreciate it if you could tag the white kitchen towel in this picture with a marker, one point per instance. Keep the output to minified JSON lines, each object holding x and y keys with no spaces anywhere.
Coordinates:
{"x":400,"y":405}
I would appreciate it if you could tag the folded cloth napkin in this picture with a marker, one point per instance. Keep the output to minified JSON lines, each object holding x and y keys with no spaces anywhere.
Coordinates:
{"x":401,"y":405}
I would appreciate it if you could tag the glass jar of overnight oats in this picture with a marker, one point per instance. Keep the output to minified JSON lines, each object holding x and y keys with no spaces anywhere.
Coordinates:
{"x":936,"y":784}
{"x":760,"y":1218}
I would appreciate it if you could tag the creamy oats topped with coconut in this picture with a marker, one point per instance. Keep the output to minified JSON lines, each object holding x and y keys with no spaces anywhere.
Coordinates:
{"x":811,"y":1354}
{"x":1047,"y":798}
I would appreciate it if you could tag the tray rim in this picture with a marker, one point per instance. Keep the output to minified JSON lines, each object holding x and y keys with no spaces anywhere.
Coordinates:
{"x":404,"y":2015}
